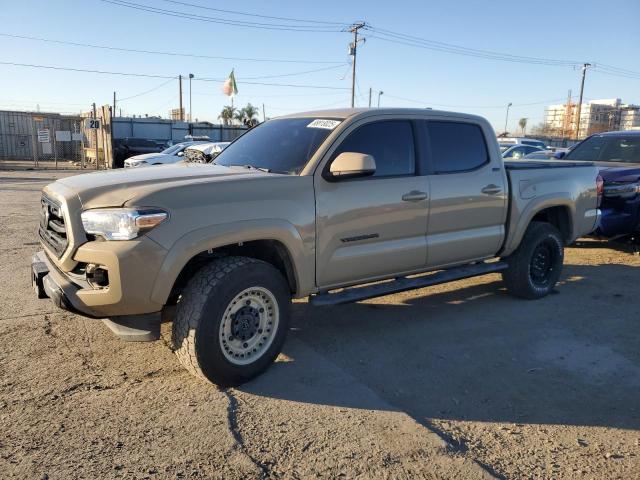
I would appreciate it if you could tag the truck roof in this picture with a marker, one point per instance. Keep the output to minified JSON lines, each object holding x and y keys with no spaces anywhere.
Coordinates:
{"x":344,"y":113}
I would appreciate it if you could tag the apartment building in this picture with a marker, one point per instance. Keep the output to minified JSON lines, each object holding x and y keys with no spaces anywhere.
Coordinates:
{"x":595,"y":116}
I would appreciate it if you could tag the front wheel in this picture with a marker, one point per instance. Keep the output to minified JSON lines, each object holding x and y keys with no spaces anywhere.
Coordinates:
{"x":535,"y":266}
{"x":232,"y":320}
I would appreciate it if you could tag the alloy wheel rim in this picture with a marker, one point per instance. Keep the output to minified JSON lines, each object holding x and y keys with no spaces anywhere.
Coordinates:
{"x":249,"y":325}
{"x":541,"y":266}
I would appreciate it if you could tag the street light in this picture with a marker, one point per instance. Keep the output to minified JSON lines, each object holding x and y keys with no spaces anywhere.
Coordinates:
{"x":379,"y":95}
{"x":190,"y":77}
{"x":506,"y":120}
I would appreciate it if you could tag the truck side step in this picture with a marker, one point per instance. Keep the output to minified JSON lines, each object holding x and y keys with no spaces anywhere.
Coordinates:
{"x":355,"y":294}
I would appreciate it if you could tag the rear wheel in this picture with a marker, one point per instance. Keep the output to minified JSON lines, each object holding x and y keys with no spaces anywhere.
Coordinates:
{"x":231,"y":320}
{"x":536,"y":265}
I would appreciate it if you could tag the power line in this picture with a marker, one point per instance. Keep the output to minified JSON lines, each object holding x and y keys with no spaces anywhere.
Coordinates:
{"x":223,"y":21}
{"x":297,"y":73}
{"x":235,"y":12}
{"x":157,"y":52}
{"x":148,"y":91}
{"x":420,"y":102}
{"x":145,"y":75}
{"x":409,"y":40}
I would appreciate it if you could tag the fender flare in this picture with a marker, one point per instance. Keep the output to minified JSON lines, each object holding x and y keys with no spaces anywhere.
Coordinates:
{"x":216,"y":236}
{"x":516,"y":231}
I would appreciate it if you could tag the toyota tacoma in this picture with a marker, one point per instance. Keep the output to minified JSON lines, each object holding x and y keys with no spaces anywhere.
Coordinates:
{"x":335,"y":205}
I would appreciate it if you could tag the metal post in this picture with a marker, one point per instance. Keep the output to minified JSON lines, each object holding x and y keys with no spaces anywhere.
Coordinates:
{"x":370,"y":89}
{"x":95,"y":137}
{"x":380,"y":93}
{"x":55,"y":144}
{"x":34,"y":143}
{"x":180,"y":112}
{"x":190,"y":77}
{"x":506,"y":119}
{"x":264,"y":115}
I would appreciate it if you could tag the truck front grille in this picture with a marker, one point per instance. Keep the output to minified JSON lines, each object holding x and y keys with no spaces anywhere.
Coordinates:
{"x":52,"y":228}
{"x":195,"y":156}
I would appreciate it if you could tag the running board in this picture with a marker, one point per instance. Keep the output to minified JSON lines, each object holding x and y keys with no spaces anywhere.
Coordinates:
{"x":355,"y":294}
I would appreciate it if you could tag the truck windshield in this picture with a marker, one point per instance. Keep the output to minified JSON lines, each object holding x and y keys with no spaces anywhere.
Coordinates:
{"x":607,"y":148}
{"x":280,"y":146}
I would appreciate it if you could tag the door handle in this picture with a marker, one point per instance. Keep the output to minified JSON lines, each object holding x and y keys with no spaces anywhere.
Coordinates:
{"x":414,"y":196}
{"x":491,"y":189}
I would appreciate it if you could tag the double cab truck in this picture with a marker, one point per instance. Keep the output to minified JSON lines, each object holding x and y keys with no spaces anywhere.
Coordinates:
{"x":334,"y":205}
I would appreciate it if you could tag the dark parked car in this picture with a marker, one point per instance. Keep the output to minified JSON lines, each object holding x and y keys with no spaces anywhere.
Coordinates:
{"x":124,"y":148}
{"x":617,"y":154}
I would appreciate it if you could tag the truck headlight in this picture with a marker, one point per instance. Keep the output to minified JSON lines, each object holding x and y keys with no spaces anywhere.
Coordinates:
{"x":121,"y":223}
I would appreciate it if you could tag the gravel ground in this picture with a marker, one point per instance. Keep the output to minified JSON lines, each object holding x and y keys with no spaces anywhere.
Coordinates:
{"x":454,"y":381}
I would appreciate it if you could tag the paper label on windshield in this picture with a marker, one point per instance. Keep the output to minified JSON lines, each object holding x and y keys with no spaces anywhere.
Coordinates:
{"x":326,"y":124}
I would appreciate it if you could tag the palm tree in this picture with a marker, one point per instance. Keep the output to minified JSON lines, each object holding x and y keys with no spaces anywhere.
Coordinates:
{"x":250,"y":112}
{"x":239,"y":115}
{"x":228,"y":113}
{"x":522,"y":123}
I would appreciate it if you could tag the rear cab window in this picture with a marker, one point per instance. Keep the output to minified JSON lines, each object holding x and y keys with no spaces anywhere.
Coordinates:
{"x":455,"y":146}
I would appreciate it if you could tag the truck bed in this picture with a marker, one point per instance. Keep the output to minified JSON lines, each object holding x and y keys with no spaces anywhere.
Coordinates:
{"x":533,"y":164}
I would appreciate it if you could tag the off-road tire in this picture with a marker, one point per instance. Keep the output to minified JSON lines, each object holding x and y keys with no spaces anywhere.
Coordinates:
{"x":523,"y":278}
{"x":200,"y":311}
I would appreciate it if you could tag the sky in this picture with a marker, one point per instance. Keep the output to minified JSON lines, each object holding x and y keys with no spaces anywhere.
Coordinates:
{"x":574,"y":31}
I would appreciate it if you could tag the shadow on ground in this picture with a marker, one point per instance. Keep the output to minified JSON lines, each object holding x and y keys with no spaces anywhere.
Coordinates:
{"x":475,"y":353}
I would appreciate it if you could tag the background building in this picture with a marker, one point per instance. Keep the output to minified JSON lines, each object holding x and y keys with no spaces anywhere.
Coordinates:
{"x":595,"y":116}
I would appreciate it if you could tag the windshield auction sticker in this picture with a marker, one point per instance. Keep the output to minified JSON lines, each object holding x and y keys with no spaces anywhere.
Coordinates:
{"x":322,"y":123}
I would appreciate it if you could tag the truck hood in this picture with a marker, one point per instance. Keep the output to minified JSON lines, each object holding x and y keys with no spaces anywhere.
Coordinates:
{"x":619,"y":172}
{"x":116,"y":188}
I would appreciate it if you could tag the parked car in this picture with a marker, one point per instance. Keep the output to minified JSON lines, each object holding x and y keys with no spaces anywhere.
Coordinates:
{"x":518,"y":151}
{"x":170,"y":155}
{"x":124,"y":148}
{"x":617,"y":154}
{"x":320,"y":204}
{"x":205,"y":152}
{"x":540,"y":155}
{"x":523,"y":141}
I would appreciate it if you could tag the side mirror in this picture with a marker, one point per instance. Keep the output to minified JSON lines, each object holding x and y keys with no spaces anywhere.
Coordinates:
{"x":559,"y":155}
{"x":180,"y":154}
{"x":352,"y":165}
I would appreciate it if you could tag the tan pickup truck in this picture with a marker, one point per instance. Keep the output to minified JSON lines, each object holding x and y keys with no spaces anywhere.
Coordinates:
{"x":339,"y":205}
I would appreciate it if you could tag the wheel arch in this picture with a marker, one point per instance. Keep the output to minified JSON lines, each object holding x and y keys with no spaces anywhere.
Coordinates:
{"x":281,"y":247}
{"x":558,"y":211}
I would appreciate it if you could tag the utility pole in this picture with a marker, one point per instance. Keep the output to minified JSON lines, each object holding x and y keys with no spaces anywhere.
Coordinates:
{"x":370,"y":97}
{"x":264,"y":114}
{"x":180,"y":111}
{"x":114,"y":104}
{"x":190,"y":77}
{"x":506,"y":120}
{"x":353,"y":51}
{"x":95,"y":136}
{"x":584,"y":73}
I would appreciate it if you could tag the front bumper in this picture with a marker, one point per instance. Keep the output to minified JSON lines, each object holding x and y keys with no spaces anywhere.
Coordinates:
{"x":48,"y":281}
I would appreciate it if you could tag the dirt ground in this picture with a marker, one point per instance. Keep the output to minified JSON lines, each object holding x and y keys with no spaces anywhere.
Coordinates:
{"x":454,"y":381}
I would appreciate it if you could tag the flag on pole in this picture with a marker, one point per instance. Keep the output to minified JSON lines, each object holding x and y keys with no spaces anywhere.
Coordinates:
{"x":229,"y":88}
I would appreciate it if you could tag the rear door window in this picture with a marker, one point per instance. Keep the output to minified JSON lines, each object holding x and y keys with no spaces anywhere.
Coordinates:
{"x":456,"y":146}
